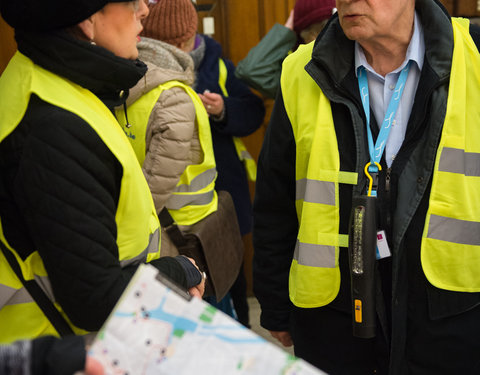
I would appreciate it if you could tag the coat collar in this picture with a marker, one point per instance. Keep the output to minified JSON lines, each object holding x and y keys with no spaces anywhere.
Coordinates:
{"x":333,"y":56}
{"x":92,"y":67}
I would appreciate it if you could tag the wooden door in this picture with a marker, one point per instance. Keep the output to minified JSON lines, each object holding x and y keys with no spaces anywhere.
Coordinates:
{"x":239,"y":26}
{"x":7,"y":44}
{"x":467,"y":8}
{"x":248,"y":22}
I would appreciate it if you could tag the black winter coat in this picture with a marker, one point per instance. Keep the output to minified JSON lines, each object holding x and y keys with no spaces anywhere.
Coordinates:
{"x":60,"y":184}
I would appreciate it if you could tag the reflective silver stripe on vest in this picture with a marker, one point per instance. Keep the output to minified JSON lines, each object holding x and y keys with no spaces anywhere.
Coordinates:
{"x":45,"y":284}
{"x":198,"y":183}
{"x":307,"y":254}
{"x":458,"y":161}
{"x":315,"y":191}
{"x":454,"y":230}
{"x":11,"y":296}
{"x":176,"y":202}
{"x":152,"y":248}
{"x":244,"y":155}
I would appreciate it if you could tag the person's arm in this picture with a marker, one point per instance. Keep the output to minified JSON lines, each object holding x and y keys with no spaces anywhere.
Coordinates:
{"x":170,"y":130}
{"x":275,"y":221}
{"x":47,"y":355}
{"x":262,"y":67}
{"x":244,"y":111}
{"x":54,"y":356}
{"x":15,"y":358}
{"x":67,"y":189}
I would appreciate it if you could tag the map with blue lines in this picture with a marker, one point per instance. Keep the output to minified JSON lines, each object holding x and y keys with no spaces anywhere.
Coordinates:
{"x":155,"y":330}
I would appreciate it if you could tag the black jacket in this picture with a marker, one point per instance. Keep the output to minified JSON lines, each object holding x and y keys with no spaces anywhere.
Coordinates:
{"x":60,"y":184}
{"x":402,"y":208}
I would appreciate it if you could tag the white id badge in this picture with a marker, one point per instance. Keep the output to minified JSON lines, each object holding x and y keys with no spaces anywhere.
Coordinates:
{"x":383,"y":251}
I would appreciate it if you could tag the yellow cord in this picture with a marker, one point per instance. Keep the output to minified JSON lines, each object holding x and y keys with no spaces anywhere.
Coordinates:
{"x":370,"y":184}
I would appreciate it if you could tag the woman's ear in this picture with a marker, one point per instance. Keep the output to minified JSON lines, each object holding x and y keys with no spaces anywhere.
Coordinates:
{"x":88,"y":29}
{"x":187,"y":46}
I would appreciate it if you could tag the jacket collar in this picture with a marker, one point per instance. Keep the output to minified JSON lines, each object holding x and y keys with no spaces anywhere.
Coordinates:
{"x":213,"y":51}
{"x":333,"y":57}
{"x":92,"y":67}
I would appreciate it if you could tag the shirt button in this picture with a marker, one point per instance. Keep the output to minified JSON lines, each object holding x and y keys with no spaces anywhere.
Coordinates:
{"x":394,"y":122}
{"x":391,"y":87}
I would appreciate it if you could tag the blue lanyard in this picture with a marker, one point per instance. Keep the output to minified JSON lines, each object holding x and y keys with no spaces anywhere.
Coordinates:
{"x":376,"y":151}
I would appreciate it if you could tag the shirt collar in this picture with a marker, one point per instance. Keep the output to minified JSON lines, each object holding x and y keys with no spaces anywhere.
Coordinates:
{"x":415,"y":50}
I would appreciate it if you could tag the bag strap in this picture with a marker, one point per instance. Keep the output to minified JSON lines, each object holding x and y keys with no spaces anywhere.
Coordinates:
{"x":174,"y":233}
{"x":39,"y":296}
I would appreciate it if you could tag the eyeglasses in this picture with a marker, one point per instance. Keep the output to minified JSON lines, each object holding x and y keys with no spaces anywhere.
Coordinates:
{"x":135,"y":4}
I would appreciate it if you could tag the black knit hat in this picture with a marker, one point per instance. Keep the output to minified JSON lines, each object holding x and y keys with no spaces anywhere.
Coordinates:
{"x":37,"y":15}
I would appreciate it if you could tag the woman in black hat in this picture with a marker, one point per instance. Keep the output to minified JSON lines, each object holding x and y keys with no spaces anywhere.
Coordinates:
{"x":76,"y":214}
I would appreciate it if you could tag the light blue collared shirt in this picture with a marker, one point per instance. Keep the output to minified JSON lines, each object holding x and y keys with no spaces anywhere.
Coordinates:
{"x":381,"y":89}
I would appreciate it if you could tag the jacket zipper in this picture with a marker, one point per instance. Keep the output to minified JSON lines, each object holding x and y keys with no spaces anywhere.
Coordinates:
{"x":387,"y":195}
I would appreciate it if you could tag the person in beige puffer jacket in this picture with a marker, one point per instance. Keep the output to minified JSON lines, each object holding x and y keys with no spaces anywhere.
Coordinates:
{"x":172,"y":139}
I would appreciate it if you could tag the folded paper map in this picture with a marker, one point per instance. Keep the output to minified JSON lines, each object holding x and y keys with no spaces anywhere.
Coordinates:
{"x":158,"y":329}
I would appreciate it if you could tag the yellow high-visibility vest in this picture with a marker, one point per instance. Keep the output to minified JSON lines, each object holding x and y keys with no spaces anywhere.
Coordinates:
{"x":314,"y":274}
{"x":138,"y":235}
{"x":242,"y":152}
{"x":450,"y":248}
{"x":194,"y":197}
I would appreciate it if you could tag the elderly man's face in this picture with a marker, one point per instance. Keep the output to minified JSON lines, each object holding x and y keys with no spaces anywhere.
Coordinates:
{"x":373,"y":20}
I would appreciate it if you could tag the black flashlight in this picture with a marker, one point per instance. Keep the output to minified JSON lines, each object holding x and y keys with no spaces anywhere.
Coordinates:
{"x":362,"y":256}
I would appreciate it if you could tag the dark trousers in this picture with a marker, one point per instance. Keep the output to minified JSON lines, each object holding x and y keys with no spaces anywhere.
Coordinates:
{"x":434,"y":345}
{"x":446,"y":346}
{"x":443,"y":329}
{"x":323,"y":337}
{"x":238,"y":292}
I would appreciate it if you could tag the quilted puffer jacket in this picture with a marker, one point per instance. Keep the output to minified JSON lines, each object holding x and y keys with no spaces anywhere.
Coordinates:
{"x":172,"y":141}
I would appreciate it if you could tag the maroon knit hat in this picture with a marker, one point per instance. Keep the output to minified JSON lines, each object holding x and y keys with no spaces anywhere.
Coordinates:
{"x":308,"y":12}
{"x":171,"y":21}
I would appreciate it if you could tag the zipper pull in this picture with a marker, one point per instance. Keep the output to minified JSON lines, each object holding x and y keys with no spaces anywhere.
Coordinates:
{"x":387,"y":180}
